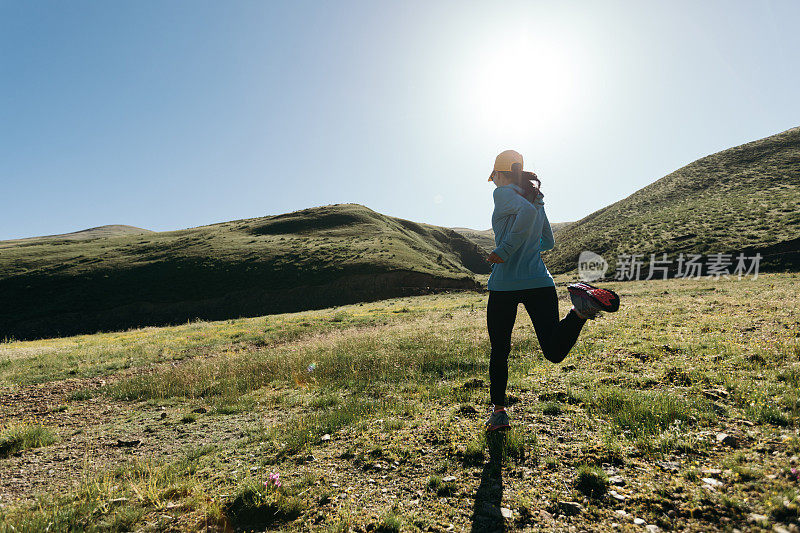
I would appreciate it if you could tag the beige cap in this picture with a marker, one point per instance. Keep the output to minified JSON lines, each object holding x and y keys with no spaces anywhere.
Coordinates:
{"x":504,"y":161}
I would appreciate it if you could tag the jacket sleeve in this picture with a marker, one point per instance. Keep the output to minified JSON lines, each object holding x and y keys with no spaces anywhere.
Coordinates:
{"x":547,"y":242}
{"x":507,"y":203}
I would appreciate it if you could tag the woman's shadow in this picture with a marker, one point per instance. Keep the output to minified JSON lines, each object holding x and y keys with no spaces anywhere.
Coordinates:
{"x":486,"y":515}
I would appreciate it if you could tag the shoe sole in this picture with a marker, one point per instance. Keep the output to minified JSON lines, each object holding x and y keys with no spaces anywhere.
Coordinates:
{"x":605,"y":299}
{"x":502,"y":427}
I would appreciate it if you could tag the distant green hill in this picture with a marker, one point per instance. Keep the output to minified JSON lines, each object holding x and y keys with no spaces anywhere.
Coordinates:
{"x":744,"y":199}
{"x":112,"y":230}
{"x":307,"y":259}
{"x":483,"y":238}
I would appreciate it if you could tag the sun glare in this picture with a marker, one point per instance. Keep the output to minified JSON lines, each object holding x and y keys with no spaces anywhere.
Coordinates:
{"x":519,"y":84}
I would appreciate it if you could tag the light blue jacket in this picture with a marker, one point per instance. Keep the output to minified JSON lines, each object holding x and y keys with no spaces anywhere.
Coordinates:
{"x":521,"y":233}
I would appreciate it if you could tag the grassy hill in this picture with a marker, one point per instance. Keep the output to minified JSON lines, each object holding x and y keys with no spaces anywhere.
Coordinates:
{"x":111,"y":230}
{"x":744,"y":199}
{"x":302,"y":260}
{"x":485,"y":238}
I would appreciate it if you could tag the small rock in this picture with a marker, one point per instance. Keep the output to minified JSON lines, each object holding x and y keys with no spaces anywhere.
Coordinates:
{"x":711,"y":471}
{"x":569,"y":508}
{"x":755,"y":518}
{"x":621,"y":512}
{"x":779,"y":529}
{"x":638,"y":521}
{"x":617,"y":480}
{"x":715,"y":394}
{"x":507,"y":514}
{"x":616,"y":495}
{"x":128,"y":443}
{"x":116,"y":501}
{"x":163,"y":415}
{"x":449,"y":479}
{"x":326,"y":436}
{"x":711,"y":481}
{"x":672,"y":466}
{"x":727,"y":440}
{"x":652,"y":528}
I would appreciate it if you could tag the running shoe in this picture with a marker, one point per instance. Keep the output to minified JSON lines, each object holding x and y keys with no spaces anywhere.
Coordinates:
{"x":498,"y":420}
{"x":590,"y":300}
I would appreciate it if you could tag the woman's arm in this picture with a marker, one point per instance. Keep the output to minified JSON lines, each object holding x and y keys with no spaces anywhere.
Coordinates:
{"x":547,"y":242}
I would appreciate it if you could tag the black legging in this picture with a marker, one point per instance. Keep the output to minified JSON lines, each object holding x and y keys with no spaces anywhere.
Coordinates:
{"x":556,"y":338}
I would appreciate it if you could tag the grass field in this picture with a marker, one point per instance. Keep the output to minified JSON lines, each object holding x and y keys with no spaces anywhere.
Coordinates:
{"x":680,"y":412}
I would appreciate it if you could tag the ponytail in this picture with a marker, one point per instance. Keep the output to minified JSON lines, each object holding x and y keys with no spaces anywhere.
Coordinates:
{"x":523,"y":179}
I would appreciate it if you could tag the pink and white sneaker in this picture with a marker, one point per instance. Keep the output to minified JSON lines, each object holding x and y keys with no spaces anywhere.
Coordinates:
{"x":589,"y":300}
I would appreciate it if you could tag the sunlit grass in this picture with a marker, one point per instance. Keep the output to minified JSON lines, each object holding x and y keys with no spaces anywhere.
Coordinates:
{"x":22,"y":437}
{"x":24,"y":362}
{"x":651,"y":382}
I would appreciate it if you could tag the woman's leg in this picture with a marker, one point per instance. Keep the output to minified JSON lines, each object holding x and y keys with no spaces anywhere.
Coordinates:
{"x":501,"y":312}
{"x":556,"y":338}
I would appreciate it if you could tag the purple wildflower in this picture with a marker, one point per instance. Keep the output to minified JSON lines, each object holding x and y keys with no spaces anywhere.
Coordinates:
{"x":274,"y":479}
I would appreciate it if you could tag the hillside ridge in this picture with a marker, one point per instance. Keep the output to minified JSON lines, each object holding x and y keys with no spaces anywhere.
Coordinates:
{"x":311,"y":258}
{"x":745,"y":199}
{"x":108,"y":230}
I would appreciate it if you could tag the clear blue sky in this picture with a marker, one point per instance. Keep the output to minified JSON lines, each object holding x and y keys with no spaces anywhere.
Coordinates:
{"x":167,"y":115}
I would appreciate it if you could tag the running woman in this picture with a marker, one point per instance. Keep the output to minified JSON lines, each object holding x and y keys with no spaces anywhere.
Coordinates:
{"x":521,"y":233}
